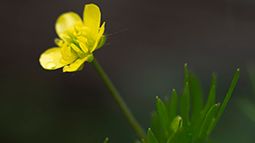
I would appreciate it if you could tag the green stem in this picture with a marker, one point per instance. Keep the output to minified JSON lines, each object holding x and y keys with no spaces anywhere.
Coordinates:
{"x":115,"y":94}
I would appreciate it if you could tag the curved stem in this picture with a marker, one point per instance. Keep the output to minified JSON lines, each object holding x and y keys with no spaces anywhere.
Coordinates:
{"x":115,"y":94}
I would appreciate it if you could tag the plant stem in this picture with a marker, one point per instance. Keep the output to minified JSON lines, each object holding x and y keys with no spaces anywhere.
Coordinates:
{"x":115,"y":94}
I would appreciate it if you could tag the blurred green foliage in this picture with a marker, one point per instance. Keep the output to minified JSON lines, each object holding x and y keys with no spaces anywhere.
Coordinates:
{"x":188,"y":118}
{"x":247,"y":106}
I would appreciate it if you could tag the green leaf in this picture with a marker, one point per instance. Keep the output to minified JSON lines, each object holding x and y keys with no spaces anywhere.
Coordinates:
{"x":162,"y":112}
{"x":176,"y":124}
{"x":151,"y":137}
{"x":185,"y":98}
{"x":185,"y":104}
{"x":195,"y":95}
{"x":157,"y":127}
{"x":212,"y":94}
{"x":228,"y":95}
{"x":106,"y":140}
{"x":186,"y":73}
{"x":101,"y":42}
{"x":163,"y":119}
{"x":210,"y":115}
{"x":173,"y":105}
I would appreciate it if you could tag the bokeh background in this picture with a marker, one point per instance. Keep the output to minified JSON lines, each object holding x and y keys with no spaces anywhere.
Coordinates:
{"x":148,"y":43}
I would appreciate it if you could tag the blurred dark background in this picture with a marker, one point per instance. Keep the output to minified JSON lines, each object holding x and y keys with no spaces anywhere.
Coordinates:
{"x":148,"y":43}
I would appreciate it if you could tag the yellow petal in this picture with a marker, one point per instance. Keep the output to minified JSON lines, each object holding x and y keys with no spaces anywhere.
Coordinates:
{"x":66,"y":23}
{"x":99,"y":36}
{"x":75,"y":66}
{"x":68,"y":54}
{"x":92,"y":18}
{"x":51,"y":59}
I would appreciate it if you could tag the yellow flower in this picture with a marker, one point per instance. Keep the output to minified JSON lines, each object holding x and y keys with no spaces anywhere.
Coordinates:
{"x":77,"y":40}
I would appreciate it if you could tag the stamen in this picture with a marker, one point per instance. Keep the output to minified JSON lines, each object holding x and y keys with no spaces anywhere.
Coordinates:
{"x":77,"y":49}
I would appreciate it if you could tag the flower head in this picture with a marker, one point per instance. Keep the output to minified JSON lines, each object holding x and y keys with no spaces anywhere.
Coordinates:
{"x":77,"y":41}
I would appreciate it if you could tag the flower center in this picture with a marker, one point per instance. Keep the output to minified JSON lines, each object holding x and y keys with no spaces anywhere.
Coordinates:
{"x":78,"y":40}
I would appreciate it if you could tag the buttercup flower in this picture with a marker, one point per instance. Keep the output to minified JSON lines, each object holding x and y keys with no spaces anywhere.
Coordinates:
{"x":77,"y":40}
